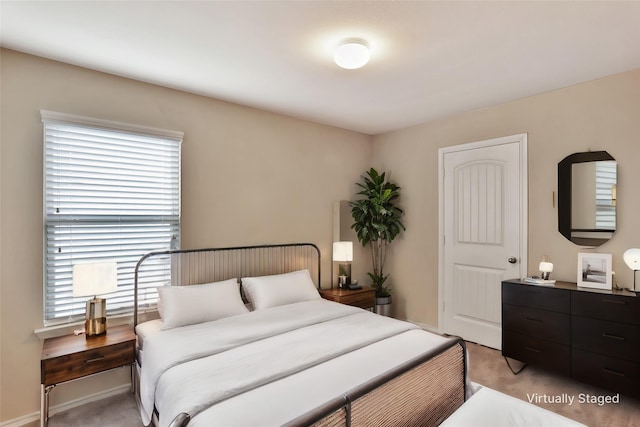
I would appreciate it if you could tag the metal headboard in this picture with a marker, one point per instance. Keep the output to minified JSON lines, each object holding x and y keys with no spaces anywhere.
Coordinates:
{"x":195,"y":266}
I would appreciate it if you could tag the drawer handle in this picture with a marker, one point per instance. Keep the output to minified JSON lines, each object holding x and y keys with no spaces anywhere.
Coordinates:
{"x":94,"y":360}
{"x":613,"y":301}
{"x":611,"y":371}
{"x":615,"y":337}
{"x":534,"y":319}
{"x":535,"y":350}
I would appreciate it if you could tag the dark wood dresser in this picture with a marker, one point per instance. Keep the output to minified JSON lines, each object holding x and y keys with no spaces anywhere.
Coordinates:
{"x":589,"y":334}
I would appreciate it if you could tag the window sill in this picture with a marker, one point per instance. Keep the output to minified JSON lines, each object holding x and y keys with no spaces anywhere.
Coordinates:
{"x":70,"y":328}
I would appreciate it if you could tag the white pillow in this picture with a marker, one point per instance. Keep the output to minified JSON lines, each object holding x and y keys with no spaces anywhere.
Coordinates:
{"x":185,"y":305}
{"x":279,"y":289}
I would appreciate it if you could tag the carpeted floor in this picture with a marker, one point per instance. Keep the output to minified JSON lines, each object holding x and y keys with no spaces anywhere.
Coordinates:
{"x":487,"y":367}
{"x":116,"y":411}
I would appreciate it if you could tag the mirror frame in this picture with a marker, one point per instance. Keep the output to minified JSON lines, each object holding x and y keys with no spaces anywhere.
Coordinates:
{"x":564,"y":194}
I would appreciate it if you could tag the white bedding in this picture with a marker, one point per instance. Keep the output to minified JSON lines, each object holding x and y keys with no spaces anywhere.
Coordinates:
{"x":307,"y":390}
{"x":234,"y":357}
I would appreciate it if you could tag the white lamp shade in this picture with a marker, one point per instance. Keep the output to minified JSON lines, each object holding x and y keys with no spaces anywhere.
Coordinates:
{"x":352,"y":54}
{"x":95,"y":278}
{"x":545,"y":267}
{"x":343,"y":251}
{"x":632,"y":258}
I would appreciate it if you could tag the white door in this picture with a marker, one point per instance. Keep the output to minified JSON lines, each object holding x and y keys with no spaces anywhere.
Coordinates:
{"x":483,"y":206}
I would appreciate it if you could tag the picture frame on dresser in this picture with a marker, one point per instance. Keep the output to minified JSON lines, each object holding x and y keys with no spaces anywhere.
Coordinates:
{"x":595,"y":271}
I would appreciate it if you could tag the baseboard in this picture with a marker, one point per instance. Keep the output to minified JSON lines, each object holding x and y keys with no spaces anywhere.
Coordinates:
{"x":35,"y":416}
{"x":21,"y":421}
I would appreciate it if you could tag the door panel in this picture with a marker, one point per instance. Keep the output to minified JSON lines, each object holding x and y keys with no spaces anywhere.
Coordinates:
{"x":476,"y":294}
{"x":479,"y":202}
{"x":482,"y":202}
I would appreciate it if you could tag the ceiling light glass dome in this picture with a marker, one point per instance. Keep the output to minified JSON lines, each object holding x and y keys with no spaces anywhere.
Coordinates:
{"x":352,"y":54}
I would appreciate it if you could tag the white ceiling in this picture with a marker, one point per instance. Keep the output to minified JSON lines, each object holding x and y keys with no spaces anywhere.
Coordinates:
{"x":429,"y":59}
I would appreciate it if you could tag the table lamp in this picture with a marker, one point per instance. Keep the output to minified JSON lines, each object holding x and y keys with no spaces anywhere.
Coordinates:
{"x":545,"y":267}
{"x":343,"y":253}
{"x":92,"y":279}
{"x":632,"y":259}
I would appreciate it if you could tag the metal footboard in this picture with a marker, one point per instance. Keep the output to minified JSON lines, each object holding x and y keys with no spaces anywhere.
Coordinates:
{"x":421,"y":392}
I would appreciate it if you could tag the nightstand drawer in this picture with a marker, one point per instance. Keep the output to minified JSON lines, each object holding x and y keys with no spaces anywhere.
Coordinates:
{"x":363,"y":298}
{"x":616,"y":308}
{"x":77,"y":365}
{"x":546,"y":354}
{"x":549,"y":325}
{"x":545,"y":298}
{"x":604,"y":337}
{"x":366,"y":300}
{"x":610,"y":373}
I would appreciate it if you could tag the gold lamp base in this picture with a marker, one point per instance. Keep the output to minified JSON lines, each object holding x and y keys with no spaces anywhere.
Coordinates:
{"x":96,"y":319}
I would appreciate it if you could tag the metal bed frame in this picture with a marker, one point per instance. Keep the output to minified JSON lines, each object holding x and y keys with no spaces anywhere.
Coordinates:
{"x":421,"y":392}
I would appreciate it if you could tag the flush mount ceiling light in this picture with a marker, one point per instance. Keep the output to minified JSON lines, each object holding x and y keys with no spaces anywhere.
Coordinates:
{"x":352,"y":54}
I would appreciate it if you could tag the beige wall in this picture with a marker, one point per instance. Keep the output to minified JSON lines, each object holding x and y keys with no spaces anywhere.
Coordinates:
{"x":598,"y":115}
{"x":248,"y":177}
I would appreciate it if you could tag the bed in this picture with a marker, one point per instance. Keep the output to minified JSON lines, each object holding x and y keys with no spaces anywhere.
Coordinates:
{"x":244,"y":339}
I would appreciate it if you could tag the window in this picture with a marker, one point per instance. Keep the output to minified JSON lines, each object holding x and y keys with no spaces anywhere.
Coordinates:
{"x":112,"y":192}
{"x":606,"y":195}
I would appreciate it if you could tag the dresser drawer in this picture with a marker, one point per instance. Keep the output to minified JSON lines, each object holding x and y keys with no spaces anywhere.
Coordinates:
{"x":604,"y":337}
{"x":545,"y":298}
{"x":616,"y":308}
{"x":77,"y":365}
{"x":549,"y":325}
{"x":607,"y":372}
{"x":546,"y":354}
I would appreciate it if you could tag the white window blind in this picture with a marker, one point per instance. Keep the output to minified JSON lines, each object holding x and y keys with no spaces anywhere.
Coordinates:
{"x":112,"y":192}
{"x":605,"y":195}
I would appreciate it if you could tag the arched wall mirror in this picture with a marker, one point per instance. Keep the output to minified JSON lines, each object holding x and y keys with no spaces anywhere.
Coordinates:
{"x":587,"y":197}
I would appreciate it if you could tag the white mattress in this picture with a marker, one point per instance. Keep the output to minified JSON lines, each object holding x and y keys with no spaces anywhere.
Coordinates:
{"x":488,"y":407}
{"x":146,"y":329}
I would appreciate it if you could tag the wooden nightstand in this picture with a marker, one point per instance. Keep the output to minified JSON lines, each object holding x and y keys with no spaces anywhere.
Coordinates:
{"x":71,"y":357}
{"x":363,"y":298}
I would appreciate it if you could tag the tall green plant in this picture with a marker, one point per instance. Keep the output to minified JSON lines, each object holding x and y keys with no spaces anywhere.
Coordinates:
{"x":377,"y":222}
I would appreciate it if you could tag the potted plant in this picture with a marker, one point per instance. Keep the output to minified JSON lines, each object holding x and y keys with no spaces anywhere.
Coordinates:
{"x":377,"y":222}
